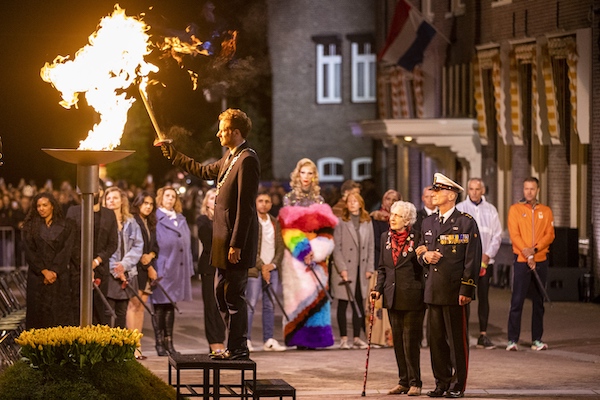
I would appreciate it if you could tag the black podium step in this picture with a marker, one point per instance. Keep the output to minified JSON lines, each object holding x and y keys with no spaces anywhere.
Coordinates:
{"x":211,"y":388}
{"x":270,"y":388}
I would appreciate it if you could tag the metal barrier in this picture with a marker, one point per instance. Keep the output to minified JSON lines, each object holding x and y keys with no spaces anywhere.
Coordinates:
{"x":7,"y":248}
{"x":12,"y":254}
{"x":12,"y":316}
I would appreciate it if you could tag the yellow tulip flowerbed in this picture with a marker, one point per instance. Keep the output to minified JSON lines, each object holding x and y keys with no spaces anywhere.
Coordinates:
{"x":78,"y":346}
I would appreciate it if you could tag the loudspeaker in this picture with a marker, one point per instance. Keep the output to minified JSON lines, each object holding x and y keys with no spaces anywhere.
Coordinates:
{"x":564,"y":283}
{"x":564,"y":251}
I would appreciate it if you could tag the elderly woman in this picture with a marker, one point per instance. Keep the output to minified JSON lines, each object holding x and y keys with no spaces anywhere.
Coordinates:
{"x":400,"y":280}
{"x":381,"y":332}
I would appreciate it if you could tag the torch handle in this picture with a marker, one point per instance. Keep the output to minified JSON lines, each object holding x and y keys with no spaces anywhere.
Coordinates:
{"x":161,"y":139}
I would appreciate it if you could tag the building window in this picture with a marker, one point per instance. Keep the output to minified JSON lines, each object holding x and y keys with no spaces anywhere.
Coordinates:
{"x":426,"y":10}
{"x":498,"y":3}
{"x":331,"y":169}
{"x":329,"y":69}
{"x":363,"y":68}
{"x":455,"y":8}
{"x":526,"y":90}
{"x":361,"y":168}
{"x":560,"y":76}
{"x":457,"y":98}
{"x":560,"y":72}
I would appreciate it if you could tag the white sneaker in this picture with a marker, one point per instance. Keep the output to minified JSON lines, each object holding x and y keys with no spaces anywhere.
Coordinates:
{"x":344,"y":344}
{"x":249,"y":344}
{"x":359,"y":344}
{"x":512,"y":346}
{"x":538,"y":345}
{"x":273,"y":345}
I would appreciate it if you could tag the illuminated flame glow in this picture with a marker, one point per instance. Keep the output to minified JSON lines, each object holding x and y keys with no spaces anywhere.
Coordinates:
{"x":101,"y":70}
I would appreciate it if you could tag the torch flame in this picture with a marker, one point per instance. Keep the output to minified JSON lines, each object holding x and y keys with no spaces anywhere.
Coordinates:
{"x":101,"y":70}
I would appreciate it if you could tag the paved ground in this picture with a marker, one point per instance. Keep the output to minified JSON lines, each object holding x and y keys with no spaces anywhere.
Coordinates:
{"x":570,"y":369}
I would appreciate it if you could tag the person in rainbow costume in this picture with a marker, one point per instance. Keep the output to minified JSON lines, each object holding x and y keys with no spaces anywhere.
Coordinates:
{"x":307,"y":225}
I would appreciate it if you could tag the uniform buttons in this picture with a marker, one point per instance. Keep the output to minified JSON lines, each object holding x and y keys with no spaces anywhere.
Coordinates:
{"x":435,"y":269}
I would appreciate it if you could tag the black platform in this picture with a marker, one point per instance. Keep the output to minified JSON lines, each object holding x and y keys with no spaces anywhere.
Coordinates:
{"x":214,"y":389}
{"x":270,"y":388}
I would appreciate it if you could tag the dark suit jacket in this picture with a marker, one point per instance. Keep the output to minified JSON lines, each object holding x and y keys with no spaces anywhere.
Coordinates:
{"x":421,"y":215}
{"x":235,"y":220}
{"x":402,"y":283}
{"x":457,"y":271}
{"x":105,"y":238}
{"x":150,"y":245}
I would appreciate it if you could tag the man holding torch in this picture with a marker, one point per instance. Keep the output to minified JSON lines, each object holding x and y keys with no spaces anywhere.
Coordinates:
{"x":235,"y":232}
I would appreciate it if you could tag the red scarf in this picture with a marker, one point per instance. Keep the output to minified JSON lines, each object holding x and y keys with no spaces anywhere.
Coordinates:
{"x":398,"y":242}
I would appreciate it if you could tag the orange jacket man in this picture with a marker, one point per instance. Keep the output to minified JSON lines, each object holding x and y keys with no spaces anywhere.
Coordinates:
{"x":531,"y":229}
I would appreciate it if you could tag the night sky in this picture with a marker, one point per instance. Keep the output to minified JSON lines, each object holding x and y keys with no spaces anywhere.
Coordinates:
{"x":35,"y":32}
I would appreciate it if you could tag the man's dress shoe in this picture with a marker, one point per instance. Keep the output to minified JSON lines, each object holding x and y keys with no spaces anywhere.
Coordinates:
{"x":438,"y":392}
{"x":239,"y":354}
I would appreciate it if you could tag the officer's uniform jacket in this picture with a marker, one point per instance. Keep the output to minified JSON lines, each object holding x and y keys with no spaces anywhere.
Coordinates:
{"x":457,"y":272}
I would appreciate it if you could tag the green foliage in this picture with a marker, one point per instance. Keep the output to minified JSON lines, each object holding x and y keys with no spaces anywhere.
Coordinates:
{"x":105,"y":381}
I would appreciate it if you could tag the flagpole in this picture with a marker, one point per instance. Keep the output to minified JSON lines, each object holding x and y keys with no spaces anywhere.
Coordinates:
{"x":426,"y":19}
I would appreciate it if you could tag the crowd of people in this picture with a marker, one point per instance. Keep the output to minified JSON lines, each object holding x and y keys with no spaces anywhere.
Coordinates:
{"x":244,"y":241}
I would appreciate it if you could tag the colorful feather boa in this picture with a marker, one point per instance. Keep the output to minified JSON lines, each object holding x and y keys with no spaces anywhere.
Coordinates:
{"x":307,"y":230}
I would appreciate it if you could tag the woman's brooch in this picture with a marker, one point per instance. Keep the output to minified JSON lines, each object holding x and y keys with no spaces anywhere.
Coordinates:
{"x":411,"y":245}
{"x":388,"y":243}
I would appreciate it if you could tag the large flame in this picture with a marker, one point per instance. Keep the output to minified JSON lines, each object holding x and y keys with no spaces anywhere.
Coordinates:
{"x":101,"y":70}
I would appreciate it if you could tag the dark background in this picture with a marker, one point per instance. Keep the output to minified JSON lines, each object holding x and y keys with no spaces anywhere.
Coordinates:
{"x":35,"y":32}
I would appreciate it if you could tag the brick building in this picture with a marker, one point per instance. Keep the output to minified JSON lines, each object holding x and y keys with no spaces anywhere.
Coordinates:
{"x":323,"y":63}
{"x":506,"y":90}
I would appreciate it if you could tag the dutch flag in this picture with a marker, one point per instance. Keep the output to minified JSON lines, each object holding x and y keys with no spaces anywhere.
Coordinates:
{"x":408,"y":37}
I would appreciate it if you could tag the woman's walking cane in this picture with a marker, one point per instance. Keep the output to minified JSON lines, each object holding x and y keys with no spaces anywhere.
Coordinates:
{"x":372,"y":311}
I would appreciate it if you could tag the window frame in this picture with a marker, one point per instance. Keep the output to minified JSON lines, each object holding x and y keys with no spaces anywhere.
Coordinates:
{"x":330,"y":178}
{"x":364,"y":81}
{"x":328,"y":69}
{"x":356,"y":164}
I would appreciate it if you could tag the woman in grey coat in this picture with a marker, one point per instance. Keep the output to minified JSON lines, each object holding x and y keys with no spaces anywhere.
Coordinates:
{"x":353,"y":256}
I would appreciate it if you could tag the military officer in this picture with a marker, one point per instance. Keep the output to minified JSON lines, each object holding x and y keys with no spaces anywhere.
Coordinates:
{"x":452,"y":260}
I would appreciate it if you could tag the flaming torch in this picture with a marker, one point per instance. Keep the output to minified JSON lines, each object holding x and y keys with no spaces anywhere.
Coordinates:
{"x":102,"y":70}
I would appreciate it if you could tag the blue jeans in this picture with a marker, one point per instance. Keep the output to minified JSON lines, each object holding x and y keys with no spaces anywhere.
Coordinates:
{"x":254,"y":289}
